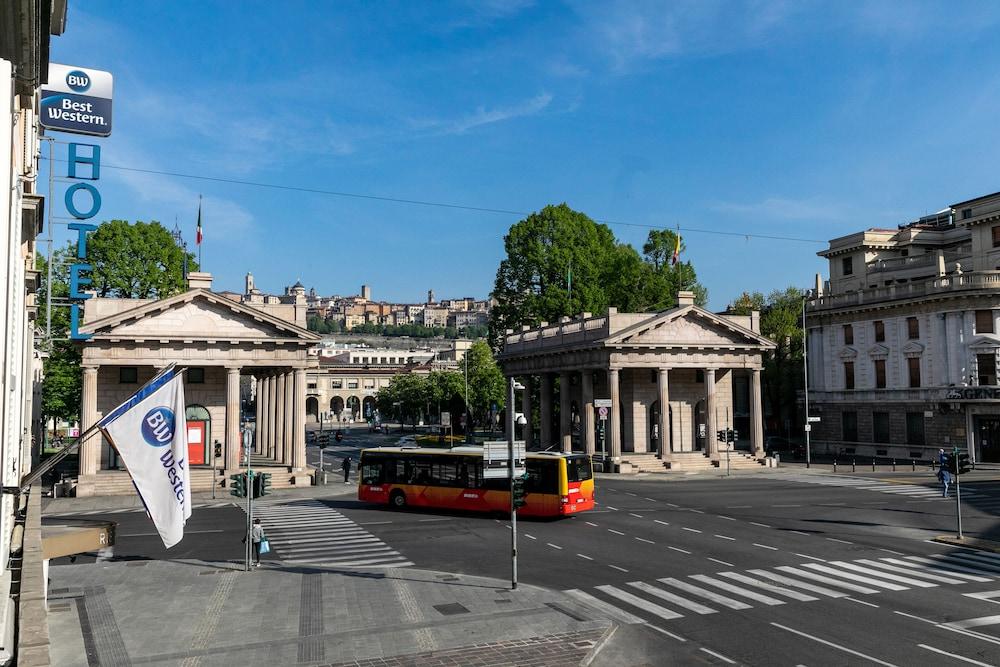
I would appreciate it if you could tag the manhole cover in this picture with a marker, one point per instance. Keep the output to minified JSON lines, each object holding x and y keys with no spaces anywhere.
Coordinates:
{"x":451,"y":609}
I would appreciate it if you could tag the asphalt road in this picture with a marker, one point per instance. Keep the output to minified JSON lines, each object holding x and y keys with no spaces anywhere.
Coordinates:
{"x":653,"y":549}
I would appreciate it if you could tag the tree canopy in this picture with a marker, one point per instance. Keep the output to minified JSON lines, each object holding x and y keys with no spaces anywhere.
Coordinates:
{"x":560,"y":262}
{"x":136,"y":261}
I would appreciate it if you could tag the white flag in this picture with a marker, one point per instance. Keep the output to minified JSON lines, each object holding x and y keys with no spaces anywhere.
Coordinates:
{"x":150,"y":433}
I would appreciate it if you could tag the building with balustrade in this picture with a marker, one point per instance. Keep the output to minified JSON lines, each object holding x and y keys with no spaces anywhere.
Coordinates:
{"x":222,"y":344}
{"x":903,"y":338}
{"x":673,"y":379}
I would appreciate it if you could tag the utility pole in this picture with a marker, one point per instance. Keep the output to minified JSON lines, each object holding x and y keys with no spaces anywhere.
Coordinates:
{"x":512,"y":384}
{"x":805,"y":372}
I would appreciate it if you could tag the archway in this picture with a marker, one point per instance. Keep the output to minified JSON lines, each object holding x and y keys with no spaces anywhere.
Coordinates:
{"x":312,"y":409}
{"x":199,"y":428}
{"x":336,"y":406}
{"x":369,"y":407}
{"x":353,"y":407}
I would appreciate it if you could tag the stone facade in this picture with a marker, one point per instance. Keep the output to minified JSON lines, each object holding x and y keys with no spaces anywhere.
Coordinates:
{"x":903,"y":332}
{"x":218,"y":342}
{"x":705,"y":367}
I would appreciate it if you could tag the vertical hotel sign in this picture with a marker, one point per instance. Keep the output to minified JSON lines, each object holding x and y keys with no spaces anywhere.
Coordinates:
{"x":78,"y":100}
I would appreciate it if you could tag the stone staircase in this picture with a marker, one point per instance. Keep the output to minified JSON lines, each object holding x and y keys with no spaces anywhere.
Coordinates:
{"x":119,"y":483}
{"x":689,"y":462}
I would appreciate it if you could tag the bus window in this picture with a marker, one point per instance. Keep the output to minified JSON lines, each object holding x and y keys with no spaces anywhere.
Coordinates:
{"x":371,"y":472}
{"x":578,"y":469}
{"x":444,"y":471}
{"x":543,"y":476}
{"x":420,"y":470}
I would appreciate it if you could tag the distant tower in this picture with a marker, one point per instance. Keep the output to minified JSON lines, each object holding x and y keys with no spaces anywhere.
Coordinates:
{"x":430,"y":296}
{"x":366,"y":292}
{"x":249,"y":284}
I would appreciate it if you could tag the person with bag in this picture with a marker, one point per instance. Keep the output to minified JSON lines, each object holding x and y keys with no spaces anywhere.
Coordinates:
{"x":943,"y":475}
{"x":260,"y":543}
{"x":346,"y":467}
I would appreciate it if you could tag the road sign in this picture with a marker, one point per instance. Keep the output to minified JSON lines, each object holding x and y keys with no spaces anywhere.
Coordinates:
{"x":602,"y":402}
{"x":77,"y":100}
{"x":602,"y":412}
{"x":495,"y":459}
{"x":813,"y":420}
{"x":808,"y":428}
{"x":446,"y":419}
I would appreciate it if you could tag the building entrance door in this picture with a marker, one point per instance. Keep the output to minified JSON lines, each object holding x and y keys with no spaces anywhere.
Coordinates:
{"x":196,"y":442}
{"x":988,"y":438}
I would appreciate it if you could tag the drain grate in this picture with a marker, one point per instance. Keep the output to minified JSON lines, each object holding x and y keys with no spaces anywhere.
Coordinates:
{"x":451,"y":609}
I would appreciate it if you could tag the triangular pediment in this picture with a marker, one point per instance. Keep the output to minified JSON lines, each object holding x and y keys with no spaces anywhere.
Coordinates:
{"x":196,"y":315}
{"x":848,"y":353}
{"x":985,"y":342}
{"x":689,"y":326}
{"x":913,"y":349}
{"x":878,"y":351}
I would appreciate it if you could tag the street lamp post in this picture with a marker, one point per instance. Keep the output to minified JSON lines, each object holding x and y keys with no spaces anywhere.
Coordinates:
{"x":468,"y":432}
{"x":805,"y":372}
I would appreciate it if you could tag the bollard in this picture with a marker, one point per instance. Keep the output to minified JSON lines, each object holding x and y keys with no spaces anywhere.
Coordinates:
{"x":913,"y":465}
{"x":873,"y":464}
{"x":835,"y":465}
{"x":933,"y":464}
{"x":894,"y":465}
{"x":854,"y":465}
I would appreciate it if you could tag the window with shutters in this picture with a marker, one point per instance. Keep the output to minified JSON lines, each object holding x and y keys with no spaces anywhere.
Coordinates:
{"x":880,"y":373}
{"x":996,"y":236}
{"x":914,"y":367}
{"x":879,"y":331}
{"x":984,"y":321}
{"x":848,"y":334}
{"x":912,"y":328}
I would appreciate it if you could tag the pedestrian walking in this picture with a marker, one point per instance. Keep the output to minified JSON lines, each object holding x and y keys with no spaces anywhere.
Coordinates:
{"x":943,"y":474}
{"x":256,"y":539}
{"x":346,"y":467}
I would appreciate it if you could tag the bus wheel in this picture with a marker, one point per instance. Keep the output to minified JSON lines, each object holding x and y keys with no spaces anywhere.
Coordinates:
{"x":398,"y":500}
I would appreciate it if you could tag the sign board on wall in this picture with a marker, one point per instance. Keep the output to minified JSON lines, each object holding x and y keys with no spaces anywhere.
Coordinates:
{"x":446,"y":419}
{"x":78,"y":100}
{"x":602,"y":402}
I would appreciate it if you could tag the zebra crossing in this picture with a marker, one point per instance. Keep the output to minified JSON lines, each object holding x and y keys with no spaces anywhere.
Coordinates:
{"x":672,"y":598}
{"x":915,"y":491}
{"x":309,"y":532}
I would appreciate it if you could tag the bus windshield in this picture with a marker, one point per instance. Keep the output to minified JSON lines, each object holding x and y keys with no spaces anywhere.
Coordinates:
{"x":578,"y":469}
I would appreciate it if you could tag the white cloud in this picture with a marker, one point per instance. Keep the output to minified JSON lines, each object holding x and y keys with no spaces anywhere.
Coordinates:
{"x":484,"y":116}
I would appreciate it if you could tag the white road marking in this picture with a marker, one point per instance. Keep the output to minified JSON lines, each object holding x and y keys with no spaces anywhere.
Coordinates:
{"x":764,"y":546}
{"x":762,"y":525}
{"x":670,"y":597}
{"x":890,"y":551}
{"x":953,"y":655}
{"x":629,"y":493}
{"x":616,"y":532}
{"x":718,"y":655}
{"x":787,"y":592}
{"x":681,"y":550}
{"x":613,"y":509}
{"x":829,"y":592}
{"x":664,"y":523}
{"x":727,"y":518}
{"x":666,"y":632}
{"x":720,"y":562}
{"x":834,"y":539}
{"x":590,"y":523}
{"x":822,"y":560}
{"x":441,"y":519}
{"x":726,"y":537}
{"x":826,"y":580}
{"x":786,"y":505}
{"x":862,"y":602}
{"x":673,"y":505}
{"x":373,"y":523}
{"x":637,"y":516}
{"x":642,"y":539}
{"x":799,"y":532}
{"x":701,"y":592}
{"x":554,"y":546}
{"x":608,"y":609}
{"x":973,"y":622}
{"x":639,"y":602}
{"x":832,"y":645}
{"x":911,"y":572}
{"x":855,"y":577}
{"x":530,"y":537}
{"x":942,"y":568}
{"x":585,"y":557}
{"x":738,"y":590}
{"x":693,"y":530}
{"x":620,"y":569}
{"x":650,"y":500}
{"x":883,"y":575}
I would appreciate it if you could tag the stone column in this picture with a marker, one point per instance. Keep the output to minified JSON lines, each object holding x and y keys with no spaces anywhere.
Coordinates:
{"x":288,"y":430}
{"x":565,"y":421}
{"x":272,"y":422}
{"x":756,"y":415}
{"x":545,"y":414}
{"x":299,"y":426}
{"x":711,"y":444}
{"x":259,"y":400}
{"x":233,"y":440}
{"x":587,"y":401}
{"x":526,"y":409}
{"x":663,"y":395}
{"x":614,"y":423}
{"x":280,"y":419}
{"x":265,"y":415}
{"x":90,"y":450}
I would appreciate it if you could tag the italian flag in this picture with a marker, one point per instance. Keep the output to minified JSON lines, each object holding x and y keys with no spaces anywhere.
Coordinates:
{"x":198,"y":234}
{"x":677,"y":248}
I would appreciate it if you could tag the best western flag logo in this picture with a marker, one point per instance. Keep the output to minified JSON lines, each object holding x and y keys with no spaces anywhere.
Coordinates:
{"x":77,"y":100}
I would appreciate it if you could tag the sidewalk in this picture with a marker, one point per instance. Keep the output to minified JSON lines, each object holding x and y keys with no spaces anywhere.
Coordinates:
{"x":197,"y":613}
{"x":67,"y":506}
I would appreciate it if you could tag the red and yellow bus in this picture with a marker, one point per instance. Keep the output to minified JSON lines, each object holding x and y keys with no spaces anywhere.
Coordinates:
{"x":556,"y":484}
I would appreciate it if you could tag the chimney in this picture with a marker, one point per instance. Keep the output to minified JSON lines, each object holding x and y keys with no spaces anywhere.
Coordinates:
{"x":940,"y":263}
{"x":755,"y":321}
{"x":200,"y":280}
{"x":819,"y":285}
{"x":685,"y":298}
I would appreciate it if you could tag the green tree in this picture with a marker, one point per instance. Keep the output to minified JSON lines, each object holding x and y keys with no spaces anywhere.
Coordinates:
{"x":136,"y":261}
{"x":405,"y":397}
{"x":62,"y":382}
{"x":486,"y":382}
{"x":780,"y":321}
{"x":445,"y":391}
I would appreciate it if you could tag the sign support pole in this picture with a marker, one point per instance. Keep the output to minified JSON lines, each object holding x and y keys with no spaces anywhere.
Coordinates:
{"x":958,"y":492}
{"x":510,"y":473}
{"x":249,"y":488}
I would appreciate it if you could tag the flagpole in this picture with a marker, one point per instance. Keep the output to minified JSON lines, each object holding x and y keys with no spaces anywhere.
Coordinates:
{"x":200,"y":267}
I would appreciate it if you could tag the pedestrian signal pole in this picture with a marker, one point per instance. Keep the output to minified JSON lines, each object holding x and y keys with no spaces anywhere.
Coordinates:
{"x":512,"y":384}
{"x":957,"y":469}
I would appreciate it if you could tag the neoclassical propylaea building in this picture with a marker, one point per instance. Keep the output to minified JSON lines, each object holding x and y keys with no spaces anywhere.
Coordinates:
{"x":704,"y":367}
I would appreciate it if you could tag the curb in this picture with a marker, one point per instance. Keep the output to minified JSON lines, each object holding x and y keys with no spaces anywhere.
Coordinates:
{"x":969,"y":542}
{"x":601,"y":643}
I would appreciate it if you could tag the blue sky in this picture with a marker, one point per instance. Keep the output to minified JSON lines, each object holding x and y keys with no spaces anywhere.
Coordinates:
{"x":801,"y":119}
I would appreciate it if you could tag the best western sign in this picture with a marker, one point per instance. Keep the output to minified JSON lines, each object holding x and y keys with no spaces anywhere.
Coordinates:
{"x":77,"y":100}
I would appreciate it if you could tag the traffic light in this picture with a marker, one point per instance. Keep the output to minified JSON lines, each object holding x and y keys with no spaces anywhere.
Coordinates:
{"x":218,"y":449}
{"x":733,"y":435}
{"x":517,"y":487}
{"x":721,"y":435}
{"x":339,"y":436}
{"x":963,"y":463}
{"x":261,"y":484}
{"x":238,"y":483}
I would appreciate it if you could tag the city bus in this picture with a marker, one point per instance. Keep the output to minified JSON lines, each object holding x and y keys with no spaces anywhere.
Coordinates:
{"x":556,"y":484}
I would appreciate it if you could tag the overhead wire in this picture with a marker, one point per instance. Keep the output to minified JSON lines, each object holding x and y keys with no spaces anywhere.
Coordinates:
{"x":420,"y":202}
